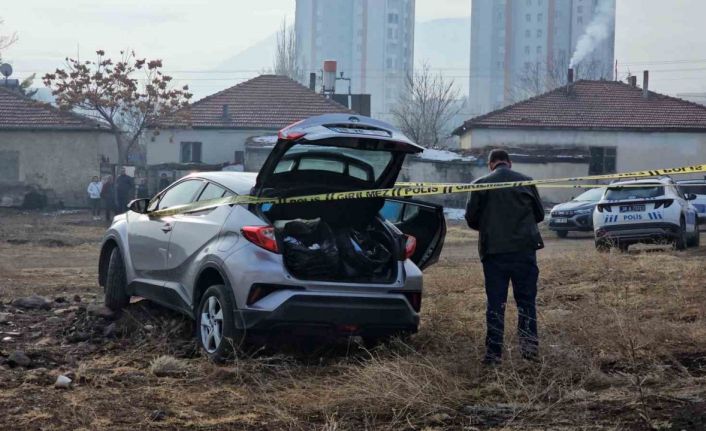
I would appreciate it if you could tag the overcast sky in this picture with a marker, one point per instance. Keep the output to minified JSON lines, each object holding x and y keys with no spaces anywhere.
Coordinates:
{"x":666,"y":36}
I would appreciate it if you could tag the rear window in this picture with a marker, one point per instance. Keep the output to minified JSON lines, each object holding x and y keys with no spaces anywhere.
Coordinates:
{"x":625,"y":193}
{"x":699,"y":189}
{"x":366,"y":165}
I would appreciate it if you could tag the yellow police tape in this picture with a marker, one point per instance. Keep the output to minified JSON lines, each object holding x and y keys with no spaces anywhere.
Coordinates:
{"x":404,"y":190}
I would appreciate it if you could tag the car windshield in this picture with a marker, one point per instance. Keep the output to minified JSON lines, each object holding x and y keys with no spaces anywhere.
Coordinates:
{"x":635,"y":192}
{"x":698,"y":189}
{"x":593,"y":195}
{"x":366,"y":165}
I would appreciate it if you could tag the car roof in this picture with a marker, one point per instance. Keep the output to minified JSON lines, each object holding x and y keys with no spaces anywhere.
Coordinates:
{"x":691,"y":182}
{"x":238,"y":182}
{"x":646,"y":181}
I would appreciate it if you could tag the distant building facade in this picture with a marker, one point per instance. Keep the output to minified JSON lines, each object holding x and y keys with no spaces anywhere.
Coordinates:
{"x":621,"y":127}
{"x":520,"y":48}
{"x":372,"y":41}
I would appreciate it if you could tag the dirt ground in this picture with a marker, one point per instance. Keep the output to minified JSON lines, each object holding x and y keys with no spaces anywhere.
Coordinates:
{"x":623,"y":346}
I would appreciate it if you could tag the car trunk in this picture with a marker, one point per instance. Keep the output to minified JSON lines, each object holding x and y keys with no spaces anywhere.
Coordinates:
{"x":341,"y":240}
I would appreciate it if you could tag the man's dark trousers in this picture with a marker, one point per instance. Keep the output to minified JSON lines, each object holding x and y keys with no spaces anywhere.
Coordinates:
{"x":521,"y":269}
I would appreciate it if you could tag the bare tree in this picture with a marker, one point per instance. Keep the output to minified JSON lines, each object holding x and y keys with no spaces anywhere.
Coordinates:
{"x":538,"y":78}
{"x":6,"y":39}
{"x":426,"y":106}
{"x":285,"y":61}
{"x":110,"y":93}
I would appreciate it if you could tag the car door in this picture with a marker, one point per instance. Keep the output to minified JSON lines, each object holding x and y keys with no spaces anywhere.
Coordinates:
{"x":149,"y":235}
{"x":424,"y":221}
{"x":194,"y":231}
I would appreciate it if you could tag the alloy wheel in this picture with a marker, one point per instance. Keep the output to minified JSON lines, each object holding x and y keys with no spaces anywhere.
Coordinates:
{"x":211,"y":324}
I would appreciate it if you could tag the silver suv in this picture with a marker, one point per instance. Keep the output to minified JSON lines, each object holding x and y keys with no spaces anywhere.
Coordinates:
{"x":349,"y":267}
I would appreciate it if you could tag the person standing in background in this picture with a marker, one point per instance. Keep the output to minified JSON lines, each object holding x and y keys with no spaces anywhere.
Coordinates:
{"x":108,"y":197}
{"x":94,"y":197}
{"x":124,"y":191}
{"x":163,"y":181}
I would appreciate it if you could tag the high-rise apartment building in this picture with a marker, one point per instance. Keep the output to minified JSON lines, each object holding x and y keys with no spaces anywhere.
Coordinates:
{"x":372,"y":41}
{"x":520,"y":48}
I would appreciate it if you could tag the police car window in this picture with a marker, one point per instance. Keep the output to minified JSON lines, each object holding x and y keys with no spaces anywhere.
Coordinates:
{"x":623,"y":193}
{"x":698,"y":189}
{"x":181,"y":194}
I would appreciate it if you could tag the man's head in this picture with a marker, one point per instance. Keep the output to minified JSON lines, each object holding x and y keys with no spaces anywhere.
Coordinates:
{"x":497,"y":158}
{"x":122,"y":171}
{"x":163,"y":175}
{"x":94,"y":179}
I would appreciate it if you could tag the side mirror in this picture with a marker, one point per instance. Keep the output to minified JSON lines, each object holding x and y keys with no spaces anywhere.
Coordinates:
{"x":690,"y":196}
{"x":139,"y":205}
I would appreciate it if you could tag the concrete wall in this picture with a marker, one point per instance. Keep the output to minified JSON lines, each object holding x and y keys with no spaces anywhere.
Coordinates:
{"x":62,"y":162}
{"x":635,"y":150}
{"x":217,"y":146}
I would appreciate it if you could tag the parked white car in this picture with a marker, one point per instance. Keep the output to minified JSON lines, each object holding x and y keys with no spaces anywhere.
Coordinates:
{"x":649,"y":211}
{"x":697,"y":187}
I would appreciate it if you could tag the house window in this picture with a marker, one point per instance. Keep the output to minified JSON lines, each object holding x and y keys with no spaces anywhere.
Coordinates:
{"x":602,"y":160}
{"x":540,"y":17}
{"x":9,"y":165}
{"x":528,"y":34}
{"x":527,"y":50}
{"x":239,"y":158}
{"x":528,"y":18}
{"x":191,"y":152}
{"x":539,"y":50}
{"x":539,"y":33}
{"x":579,"y":20}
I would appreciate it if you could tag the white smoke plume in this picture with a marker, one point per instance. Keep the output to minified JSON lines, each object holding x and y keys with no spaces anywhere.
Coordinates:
{"x":598,"y":30}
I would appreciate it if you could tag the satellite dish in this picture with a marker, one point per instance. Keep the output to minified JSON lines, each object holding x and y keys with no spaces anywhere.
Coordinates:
{"x":6,"y":70}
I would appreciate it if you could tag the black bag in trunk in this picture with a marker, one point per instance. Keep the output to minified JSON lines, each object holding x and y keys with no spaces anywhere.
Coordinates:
{"x":310,"y":249}
{"x":361,"y":253}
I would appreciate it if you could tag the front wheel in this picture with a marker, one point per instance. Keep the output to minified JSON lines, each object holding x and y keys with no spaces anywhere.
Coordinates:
{"x":603,"y":246}
{"x":562,"y":233}
{"x":695,"y":241}
{"x":215,"y":327}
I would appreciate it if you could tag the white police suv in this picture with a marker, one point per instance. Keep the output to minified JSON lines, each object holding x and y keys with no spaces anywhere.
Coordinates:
{"x":645,"y":211}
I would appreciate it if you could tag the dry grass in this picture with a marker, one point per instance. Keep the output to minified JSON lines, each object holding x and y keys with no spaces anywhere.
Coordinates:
{"x":622,"y":347}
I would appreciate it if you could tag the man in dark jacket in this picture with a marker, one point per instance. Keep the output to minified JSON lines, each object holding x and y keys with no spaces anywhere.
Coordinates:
{"x":124,"y":191}
{"x":506,"y":220}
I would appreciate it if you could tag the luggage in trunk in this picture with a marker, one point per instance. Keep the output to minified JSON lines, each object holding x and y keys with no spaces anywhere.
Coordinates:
{"x":313,"y":250}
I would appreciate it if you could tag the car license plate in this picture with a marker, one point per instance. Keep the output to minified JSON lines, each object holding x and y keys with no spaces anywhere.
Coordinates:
{"x":561,"y":220}
{"x":631,"y":208}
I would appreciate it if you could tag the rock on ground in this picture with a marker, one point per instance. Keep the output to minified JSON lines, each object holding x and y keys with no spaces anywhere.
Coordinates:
{"x":34,"y":302}
{"x":62,"y":382}
{"x":19,"y":359}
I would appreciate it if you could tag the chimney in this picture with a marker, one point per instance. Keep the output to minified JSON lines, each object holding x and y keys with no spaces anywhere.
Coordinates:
{"x":646,"y":84}
{"x":312,"y":81}
{"x":570,"y":77}
{"x":225,"y":112}
{"x":633,"y":81}
{"x":329,"y":84}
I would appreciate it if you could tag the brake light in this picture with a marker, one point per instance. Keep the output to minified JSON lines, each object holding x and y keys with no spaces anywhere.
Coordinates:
{"x":410,"y":246}
{"x":291,"y":135}
{"x":665,"y":203}
{"x":262,"y":236}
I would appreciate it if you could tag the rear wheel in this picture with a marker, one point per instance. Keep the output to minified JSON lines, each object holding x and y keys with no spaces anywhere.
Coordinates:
{"x":562,"y":233}
{"x":116,"y":297}
{"x":215,"y":327}
{"x":680,"y":242}
{"x":695,"y":240}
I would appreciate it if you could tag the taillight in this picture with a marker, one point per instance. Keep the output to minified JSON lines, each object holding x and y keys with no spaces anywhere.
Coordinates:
{"x":665,"y":203}
{"x":262,"y":236}
{"x":410,"y":246}
{"x":291,"y":135}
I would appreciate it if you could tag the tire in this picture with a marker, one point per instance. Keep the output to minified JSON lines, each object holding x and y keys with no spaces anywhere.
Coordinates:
{"x":215,"y":324}
{"x":680,"y":242}
{"x":116,"y":297}
{"x":562,"y":233}
{"x":623,"y":247}
{"x":603,"y":246}
{"x":695,"y":241}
